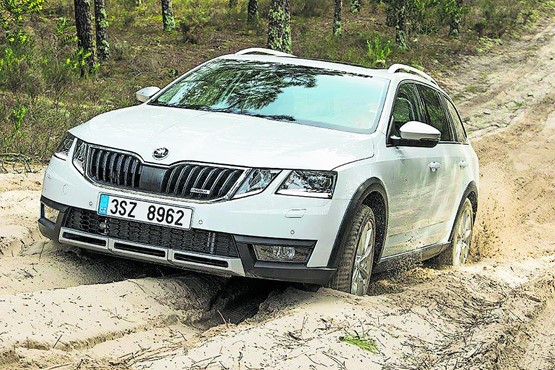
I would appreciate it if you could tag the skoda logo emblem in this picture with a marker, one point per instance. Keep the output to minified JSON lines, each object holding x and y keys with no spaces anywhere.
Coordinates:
{"x":160,"y":153}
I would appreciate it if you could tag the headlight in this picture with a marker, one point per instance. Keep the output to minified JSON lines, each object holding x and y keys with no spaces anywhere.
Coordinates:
{"x":80,"y":156}
{"x":63,"y":148}
{"x":317,"y":184}
{"x":256,"y":182}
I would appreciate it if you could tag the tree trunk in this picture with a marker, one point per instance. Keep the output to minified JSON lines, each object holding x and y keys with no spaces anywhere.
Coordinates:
{"x":397,"y":17}
{"x":455,"y":19}
{"x":355,"y":6}
{"x":102,"y":46}
{"x":167,"y":15}
{"x":252,"y":11}
{"x":401,"y":26}
{"x":337,"y":18}
{"x":83,"y":27}
{"x":279,"y":26}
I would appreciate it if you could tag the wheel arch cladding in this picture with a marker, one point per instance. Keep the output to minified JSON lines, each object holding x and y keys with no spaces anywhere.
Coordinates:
{"x":377,"y":201}
{"x":471,"y":192}
{"x":371,"y":193}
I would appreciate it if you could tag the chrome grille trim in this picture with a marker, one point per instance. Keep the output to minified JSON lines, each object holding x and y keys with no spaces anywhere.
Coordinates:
{"x":197,"y":182}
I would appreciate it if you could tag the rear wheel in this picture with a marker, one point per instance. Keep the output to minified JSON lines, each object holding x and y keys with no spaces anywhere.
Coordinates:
{"x":459,"y":249}
{"x":355,"y":267}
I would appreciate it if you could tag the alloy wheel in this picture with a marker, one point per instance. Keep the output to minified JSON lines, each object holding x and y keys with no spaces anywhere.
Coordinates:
{"x":463,"y":236}
{"x":362,"y":267}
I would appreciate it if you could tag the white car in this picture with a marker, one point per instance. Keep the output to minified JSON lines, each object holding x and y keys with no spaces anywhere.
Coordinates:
{"x":264,"y":165}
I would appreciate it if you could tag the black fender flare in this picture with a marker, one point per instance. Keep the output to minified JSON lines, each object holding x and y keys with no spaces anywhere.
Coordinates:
{"x":470,"y":188}
{"x":372,"y":185}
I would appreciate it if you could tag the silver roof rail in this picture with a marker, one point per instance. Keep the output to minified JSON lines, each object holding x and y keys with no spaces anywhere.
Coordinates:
{"x":264,"y":51}
{"x":401,"y":67}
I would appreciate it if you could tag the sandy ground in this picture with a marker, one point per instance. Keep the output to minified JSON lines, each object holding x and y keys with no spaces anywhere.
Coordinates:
{"x":61,"y":309}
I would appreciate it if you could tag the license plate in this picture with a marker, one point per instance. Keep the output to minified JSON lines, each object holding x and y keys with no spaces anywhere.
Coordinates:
{"x":137,"y":210}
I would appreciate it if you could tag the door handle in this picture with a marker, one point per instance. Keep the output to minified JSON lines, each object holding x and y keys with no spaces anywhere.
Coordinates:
{"x":463,"y":164}
{"x":434,"y":166}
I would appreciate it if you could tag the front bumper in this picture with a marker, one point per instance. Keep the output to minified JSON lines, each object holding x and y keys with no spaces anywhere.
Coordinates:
{"x":262,"y":219}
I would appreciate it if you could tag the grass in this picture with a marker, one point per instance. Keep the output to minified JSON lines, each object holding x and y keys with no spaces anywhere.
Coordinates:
{"x":363,"y":342}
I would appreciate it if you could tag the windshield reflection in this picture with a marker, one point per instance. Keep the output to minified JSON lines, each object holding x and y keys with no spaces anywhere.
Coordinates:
{"x":282,"y":92}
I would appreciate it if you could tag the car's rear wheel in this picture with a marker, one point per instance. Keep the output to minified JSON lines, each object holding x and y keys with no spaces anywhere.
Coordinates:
{"x":355,"y":267}
{"x":458,"y":251}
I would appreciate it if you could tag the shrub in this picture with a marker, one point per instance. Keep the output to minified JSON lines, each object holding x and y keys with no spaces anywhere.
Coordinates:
{"x":493,"y":18}
{"x":310,"y":8}
{"x":378,"y":50}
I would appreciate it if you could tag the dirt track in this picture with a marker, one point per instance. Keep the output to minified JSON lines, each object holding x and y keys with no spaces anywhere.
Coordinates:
{"x":63,"y":310}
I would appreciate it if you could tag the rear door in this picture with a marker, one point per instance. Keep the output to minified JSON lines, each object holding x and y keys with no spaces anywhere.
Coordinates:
{"x":444,"y":163}
{"x":463,"y":153}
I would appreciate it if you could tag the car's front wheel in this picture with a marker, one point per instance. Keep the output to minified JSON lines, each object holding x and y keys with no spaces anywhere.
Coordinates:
{"x":355,"y":267}
{"x":459,"y":249}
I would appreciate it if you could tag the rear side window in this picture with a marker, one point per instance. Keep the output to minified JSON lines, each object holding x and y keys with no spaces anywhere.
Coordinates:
{"x":460,"y":134}
{"x":437,"y":116}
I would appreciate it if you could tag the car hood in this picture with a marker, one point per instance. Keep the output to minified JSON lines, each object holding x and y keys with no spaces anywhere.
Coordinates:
{"x":223,"y":138}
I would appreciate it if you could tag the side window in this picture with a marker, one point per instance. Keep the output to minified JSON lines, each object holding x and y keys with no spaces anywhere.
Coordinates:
{"x":406,"y":108}
{"x":460,"y":134}
{"x":437,"y":117}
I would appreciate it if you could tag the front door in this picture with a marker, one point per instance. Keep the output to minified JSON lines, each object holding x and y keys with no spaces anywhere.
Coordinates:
{"x":410,"y":179}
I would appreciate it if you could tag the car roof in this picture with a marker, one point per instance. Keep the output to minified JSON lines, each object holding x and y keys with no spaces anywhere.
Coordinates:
{"x":348,"y":68}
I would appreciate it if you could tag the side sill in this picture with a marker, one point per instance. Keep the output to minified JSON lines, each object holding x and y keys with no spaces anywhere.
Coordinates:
{"x":418,"y":255}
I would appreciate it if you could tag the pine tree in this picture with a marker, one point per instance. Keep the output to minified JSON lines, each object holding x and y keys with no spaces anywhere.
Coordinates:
{"x":83,"y":25}
{"x":167,"y":15}
{"x":101,"y":24}
{"x":355,"y":6}
{"x":337,"y":18}
{"x":279,"y":26}
{"x":454,"y":9}
{"x":397,"y":17}
{"x":252,"y":11}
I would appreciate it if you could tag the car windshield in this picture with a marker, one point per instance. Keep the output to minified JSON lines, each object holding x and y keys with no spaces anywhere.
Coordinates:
{"x":281,"y":92}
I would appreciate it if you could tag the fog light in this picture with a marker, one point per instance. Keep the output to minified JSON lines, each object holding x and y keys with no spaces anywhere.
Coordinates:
{"x":279,"y":253}
{"x":51,"y":214}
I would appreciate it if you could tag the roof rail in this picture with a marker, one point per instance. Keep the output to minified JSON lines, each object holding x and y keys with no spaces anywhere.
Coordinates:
{"x":264,"y":51}
{"x":401,"y":67}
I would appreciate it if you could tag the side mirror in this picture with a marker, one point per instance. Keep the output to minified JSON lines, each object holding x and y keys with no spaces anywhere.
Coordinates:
{"x":417,"y":134}
{"x":146,"y":93}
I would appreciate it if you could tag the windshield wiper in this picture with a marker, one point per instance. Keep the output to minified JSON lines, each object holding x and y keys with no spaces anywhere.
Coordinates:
{"x":206,"y":108}
{"x":277,"y":117}
{"x":160,"y":104}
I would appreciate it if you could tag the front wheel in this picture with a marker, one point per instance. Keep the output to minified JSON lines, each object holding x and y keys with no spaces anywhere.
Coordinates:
{"x":459,"y":249}
{"x":355,"y":267}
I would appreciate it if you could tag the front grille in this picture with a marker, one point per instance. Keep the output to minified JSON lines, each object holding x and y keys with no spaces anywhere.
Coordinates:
{"x":185,"y":180}
{"x":113,"y":168}
{"x":194,"y":240}
{"x":199,"y":182}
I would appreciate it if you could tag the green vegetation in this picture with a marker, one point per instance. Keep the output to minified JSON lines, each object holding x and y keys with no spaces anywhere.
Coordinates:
{"x":43,"y":92}
{"x":378,"y":51}
{"x":361,"y":341}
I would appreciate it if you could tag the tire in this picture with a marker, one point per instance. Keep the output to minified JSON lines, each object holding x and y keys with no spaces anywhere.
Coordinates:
{"x":457,"y":252}
{"x":355,"y":267}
